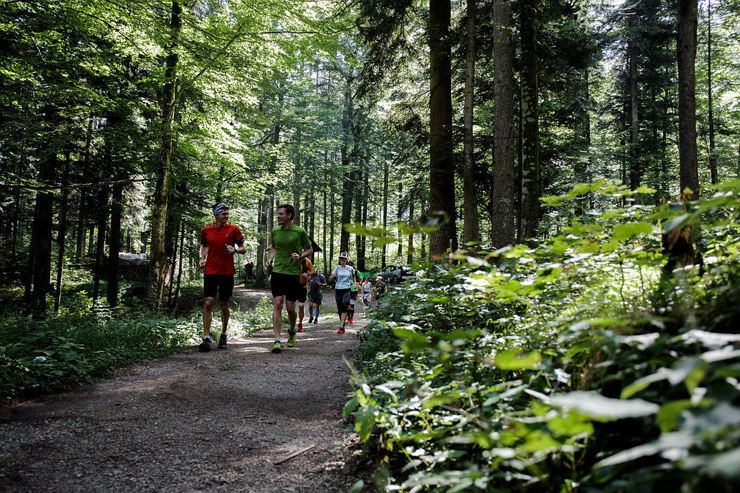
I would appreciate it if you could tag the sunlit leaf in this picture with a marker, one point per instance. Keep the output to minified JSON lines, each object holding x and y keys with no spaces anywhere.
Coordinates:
{"x":595,"y":405}
{"x":513,"y":360}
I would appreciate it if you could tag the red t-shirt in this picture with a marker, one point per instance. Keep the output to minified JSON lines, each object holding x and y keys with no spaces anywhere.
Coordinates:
{"x":218,"y":258}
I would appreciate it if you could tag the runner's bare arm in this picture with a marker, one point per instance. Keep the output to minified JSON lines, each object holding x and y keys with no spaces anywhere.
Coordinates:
{"x":203,"y":255}
{"x":271,"y":254}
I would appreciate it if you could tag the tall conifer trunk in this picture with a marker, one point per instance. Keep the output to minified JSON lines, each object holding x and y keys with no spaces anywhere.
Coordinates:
{"x":503,"y":210}
{"x":470,"y":203}
{"x":710,"y":104}
{"x":530,"y":191}
{"x":441,"y":166}
{"x":686,"y":55}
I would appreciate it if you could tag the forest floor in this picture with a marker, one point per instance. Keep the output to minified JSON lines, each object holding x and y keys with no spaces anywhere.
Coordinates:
{"x":240,"y":419}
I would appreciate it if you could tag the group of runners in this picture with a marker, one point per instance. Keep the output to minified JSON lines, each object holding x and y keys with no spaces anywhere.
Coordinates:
{"x":293,"y":280}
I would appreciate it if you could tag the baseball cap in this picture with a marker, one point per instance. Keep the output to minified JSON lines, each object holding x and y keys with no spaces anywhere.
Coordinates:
{"x":343,"y":255}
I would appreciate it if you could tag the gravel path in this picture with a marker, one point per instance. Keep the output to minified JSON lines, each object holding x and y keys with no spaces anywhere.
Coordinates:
{"x":221,"y":421}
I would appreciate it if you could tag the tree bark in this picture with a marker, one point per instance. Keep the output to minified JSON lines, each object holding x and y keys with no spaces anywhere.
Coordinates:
{"x":102,"y":225}
{"x":441,"y":165}
{"x":62,"y":234}
{"x":710,"y":104}
{"x":686,"y":55}
{"x":471,"y":232}
{"x":635,"y":172}
{"x":503,"y":210}
{"x":530,"y":190}
{"x":348,"y":180}
{"x":159,"y":258}
{"x":386,"y":171}
{"x":115,"y":243}
{"x":410,"y":248}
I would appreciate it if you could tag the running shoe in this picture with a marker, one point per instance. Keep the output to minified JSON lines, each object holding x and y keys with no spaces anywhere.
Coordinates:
{"x":341,"y":330}
{"x":349,"y":320}
{"x":205,"y":346}
{"x":222,"y":341}
{"x":277,"y":347}
{"x":310,"y":320}
{"x":292,"y":341}
{"x":316,"y":321}
{"x":300,"y":326}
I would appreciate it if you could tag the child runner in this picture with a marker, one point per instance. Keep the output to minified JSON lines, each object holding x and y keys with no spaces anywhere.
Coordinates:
{"x":315,"y":296}
{"x":306,"y":270}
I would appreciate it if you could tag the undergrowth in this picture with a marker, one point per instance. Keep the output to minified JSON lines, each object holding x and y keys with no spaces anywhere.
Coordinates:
{"x":577,"y":364}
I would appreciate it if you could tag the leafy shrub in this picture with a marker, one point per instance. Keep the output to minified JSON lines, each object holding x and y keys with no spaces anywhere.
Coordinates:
{"x":38,"y":357}
{"x":575,"y":364}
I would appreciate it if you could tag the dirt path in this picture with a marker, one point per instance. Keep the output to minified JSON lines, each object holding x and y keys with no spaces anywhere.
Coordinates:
{"x":218,"y":421}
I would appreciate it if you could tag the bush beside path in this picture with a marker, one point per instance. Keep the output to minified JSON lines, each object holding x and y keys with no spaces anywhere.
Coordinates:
{"x":242,"y":419}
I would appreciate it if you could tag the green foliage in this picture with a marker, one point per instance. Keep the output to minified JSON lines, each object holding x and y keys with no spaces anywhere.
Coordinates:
{"x":38,"y":357}
{"x":575,"y":363}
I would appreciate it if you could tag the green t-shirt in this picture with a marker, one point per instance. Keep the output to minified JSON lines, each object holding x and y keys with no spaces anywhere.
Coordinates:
{"x":287,"y":241}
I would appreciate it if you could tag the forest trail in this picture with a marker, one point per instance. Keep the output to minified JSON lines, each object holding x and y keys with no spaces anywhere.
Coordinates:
{"x":227,"y":420}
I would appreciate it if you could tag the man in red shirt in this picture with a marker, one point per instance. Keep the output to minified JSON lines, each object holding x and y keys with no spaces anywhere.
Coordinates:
{"x":219,"y":242}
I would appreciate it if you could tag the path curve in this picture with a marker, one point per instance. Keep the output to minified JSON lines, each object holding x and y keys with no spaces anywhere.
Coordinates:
{"x":218,"y":421}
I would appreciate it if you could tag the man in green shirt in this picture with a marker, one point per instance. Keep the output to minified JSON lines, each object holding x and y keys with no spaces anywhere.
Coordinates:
{"x":289,"y":244}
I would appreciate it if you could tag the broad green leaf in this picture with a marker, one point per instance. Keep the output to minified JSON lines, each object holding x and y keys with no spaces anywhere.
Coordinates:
{"x":675,"y":222}
{"x":365,"y":422}
{"x":667,"y":417}
{"x":412,"y":340}
{"x":597,"y":406}
{"x":513,"y":360}
{"x":569,"y":425}
{"x":624,"y":232}
{"x":676,"y":440}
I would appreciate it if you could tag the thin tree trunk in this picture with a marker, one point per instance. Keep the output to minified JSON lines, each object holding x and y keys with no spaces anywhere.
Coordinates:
{"x":102,"y":208}
{"x":635,"y":172}
{"x":399,"y":217}
{"x":710,"y":105}
{"x":115,"y":243}
{"x":323,"y":216}
{"x":410,"y":248}
{"x":62,"y":234}
{"x":263,"y":234}
{"x":441,"y":165}
{"x":686,"y":55}
{"x":179,"y":267}
{"x":348,"y":181}
{"x":471,"y":232}
{"x":502,"y":228}
{"x":385,"y":210}
{"x":159,"y":262}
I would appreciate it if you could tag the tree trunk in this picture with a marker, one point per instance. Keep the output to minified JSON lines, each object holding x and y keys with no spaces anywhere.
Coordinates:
{"x":102,"y":223}
{"x":686,"y":55}
{"x":385,"y":210}
{"x":503,"y":210}
{"x":362,"y":253}
{"x":441,"y":165}
{"x":635,"y":172}
{"x":323,"y":215}
{"x":62,"y":234}
{"x":530,"y":190}
{"x":179,"y":267}
{"x":115,"y":243}
{"x":348,"y":173}
{"x":263,"y":233}
{"x":410,"y":248}
{"x":710,"y":105}
{"x":399,"y":217}
{"x":159,"y":259}
{"x":471,"y":232}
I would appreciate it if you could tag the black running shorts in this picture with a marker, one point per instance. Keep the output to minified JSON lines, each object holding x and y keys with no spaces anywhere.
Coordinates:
{"x":342,"y":297}
{"x":218,"y":283}
{"x":286,"y":285}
